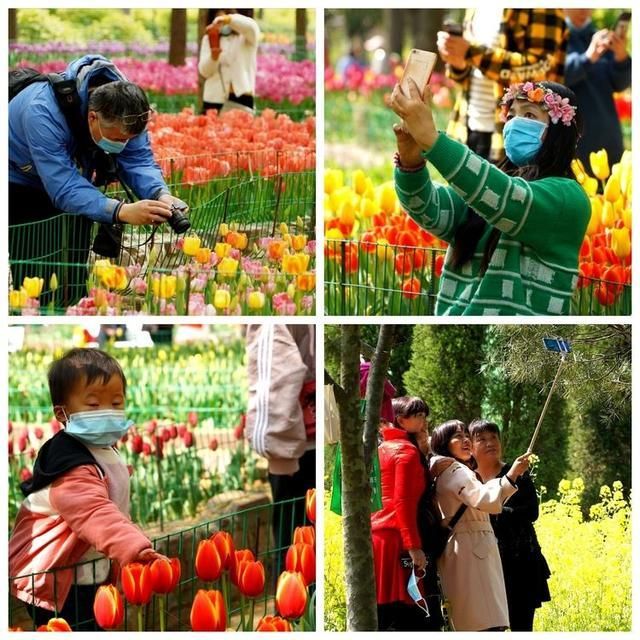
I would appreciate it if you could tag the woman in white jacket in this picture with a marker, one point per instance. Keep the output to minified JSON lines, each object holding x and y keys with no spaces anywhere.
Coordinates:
{"x":228,"y":59}
{"x":470,"y":568}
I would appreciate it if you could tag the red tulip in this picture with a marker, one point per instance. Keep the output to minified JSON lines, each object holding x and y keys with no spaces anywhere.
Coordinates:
{"x":187,"y":439}
{"x":54,"y":624}
{"x":213,"y":444}
{"x":136,"y":444}
{"x":25,"y":474}
{"x":310,"y":505}
{"x":107,"y":607}
{"x":305,"y":534}
{"x":173,"y":431}
{"x":238,"y":557}
{"x":291,"y":595}
{"x":165,"y":575}
{"x":208,"y":562}
{"x":151,"y":427}
{"x":301,"y":557}
{"x":224,"y":543}
{"x":192,"y":418}
{"x":208,"y":612}
{"x":136,"y":583}
{"x":251,"y":578}
{"x":38,"y":433}
{"x":274,"y":623}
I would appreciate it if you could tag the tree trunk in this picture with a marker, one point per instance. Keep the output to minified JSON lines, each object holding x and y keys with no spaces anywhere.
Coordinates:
{"x":394,"y":20}
{"x":202,"y":25}
{"x":356,"y":492}
{"x":375,"y":390}
{"x":13,"y":25}
{"x":178,"y":38}
{"x":301,"y":35}
{"x":425,"y":25}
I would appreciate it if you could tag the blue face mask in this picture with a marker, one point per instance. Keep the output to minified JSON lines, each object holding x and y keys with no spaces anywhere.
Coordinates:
{"x":413,"y":589}
{"x":523,"y":139}
{"x":98,"y":428}
{"x":110,"y":146}
{"x":225,"y":30}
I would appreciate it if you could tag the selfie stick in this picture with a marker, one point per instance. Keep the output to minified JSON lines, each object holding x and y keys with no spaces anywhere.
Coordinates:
{"x":563,"y":348}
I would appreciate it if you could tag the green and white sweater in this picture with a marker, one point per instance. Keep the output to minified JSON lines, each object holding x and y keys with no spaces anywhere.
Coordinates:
{"x":534,"y":269}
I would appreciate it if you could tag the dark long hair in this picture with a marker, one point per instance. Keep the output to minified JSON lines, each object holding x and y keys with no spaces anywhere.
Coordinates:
{"x":442,"y":435}
{"x":405,"y":407}
{"x":554,"y":159}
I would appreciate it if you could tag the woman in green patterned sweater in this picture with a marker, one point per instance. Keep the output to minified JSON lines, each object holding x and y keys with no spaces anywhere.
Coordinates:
{"x":514,"y":231}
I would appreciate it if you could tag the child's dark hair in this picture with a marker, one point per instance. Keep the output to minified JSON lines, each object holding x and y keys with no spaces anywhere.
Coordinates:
{"x":478,"y":426}
{"x":76,"y":364}
{"x":407,"y":406}
{"x":553,"y":160}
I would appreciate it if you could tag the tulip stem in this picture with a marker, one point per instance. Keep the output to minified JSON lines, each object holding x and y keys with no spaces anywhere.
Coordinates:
{"x":162,"y":613}
{"x":252,"y":609}
{"x":242,"y":619}
{"x":225,"y":594}
{"x":140,"y":619}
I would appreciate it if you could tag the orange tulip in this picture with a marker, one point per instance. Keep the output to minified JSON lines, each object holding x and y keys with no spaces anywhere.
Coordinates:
{"x":136,"y":583}
{"x":238,"y":557}
{"x":225,"y":546}
{"x":301,"y":557}
{"x":306,"y":281}
{"x":304,"y":534}
{"x":107,"y":607}
{"x":310,"y":504}
{"x":251,"y":578}
{"x":203,"y":255}
{"x":274,"y":623}
{"x":165,"y":575}
{"x":411,"y":288}
{"x":208,"y":612}
{"x":54,"y":624}
{"x":208,"y":562}
{"x":275,"y":249}
{"x":291,"y":595}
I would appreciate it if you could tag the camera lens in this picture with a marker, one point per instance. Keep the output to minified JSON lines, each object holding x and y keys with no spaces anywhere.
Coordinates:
{"x":179,"y":221}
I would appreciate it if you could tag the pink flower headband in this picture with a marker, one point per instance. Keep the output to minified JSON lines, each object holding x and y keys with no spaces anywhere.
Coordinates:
{"x":558,"y":107}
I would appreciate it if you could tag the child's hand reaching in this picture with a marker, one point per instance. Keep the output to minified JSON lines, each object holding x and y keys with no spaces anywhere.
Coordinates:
{"x":149,"y":555}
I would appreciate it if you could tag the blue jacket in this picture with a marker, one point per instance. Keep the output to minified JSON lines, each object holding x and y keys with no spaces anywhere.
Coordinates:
{"x":41,"y":148}
{"x":594,"y":85}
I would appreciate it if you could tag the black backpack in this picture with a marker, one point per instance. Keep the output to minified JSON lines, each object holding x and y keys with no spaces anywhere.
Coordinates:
{"x":434,"y":536}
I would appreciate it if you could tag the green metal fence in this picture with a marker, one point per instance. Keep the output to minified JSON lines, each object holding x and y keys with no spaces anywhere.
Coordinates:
{"x":251,"y":528}
{"x":363,"y":278}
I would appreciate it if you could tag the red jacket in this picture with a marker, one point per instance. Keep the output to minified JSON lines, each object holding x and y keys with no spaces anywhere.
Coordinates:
{"x":403,"y":481}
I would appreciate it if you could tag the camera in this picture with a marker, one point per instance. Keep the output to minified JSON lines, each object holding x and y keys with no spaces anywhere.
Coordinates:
{"x":108,"y":240}
{"x":178,"y":220}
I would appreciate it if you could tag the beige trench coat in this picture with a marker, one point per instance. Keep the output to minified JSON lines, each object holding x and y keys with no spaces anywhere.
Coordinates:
{"x":470,"y":569}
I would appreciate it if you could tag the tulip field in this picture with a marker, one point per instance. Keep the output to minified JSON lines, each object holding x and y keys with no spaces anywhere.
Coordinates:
{"x":249,"y":181}
{"x":187,"y":454}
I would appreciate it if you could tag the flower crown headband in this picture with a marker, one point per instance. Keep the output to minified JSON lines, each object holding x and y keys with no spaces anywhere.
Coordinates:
{"x":558,"y":107}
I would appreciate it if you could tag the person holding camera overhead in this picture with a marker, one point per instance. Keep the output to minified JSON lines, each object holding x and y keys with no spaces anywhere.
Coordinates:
{"x":60,"y":153}
{"x":495,"y":48}
{"x":228,"y":60}
{"x":597,"y":66}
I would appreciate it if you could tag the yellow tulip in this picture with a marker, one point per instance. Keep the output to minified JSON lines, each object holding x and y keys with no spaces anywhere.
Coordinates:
{"x":608,"y":217}
{"x":621,"y":242}
{"x":298,"y":242}
{"x":626,"y":218}
{"x":590,"y":185}
{"x":223,"y":230}
{"x":343,"y":194}
{"x":387,"y":197}
{"x":164,"y":286}
{"x":368,"y":208}
{"x":358,"y":180}
{"x":17,"y":298}
{"x":33,"y":286}
{"x":333,"y":179}
{"x":222,"y":249}
{"x":228,"y":267}
{"x":256,"y":300}
{"x":221,"y":299}
{"x":283,"y":228}
{"x":306,"y":281}
{"x":191,"y":245}
{"x":599,"y":162}
{"x":53,"y":282}
{"x":369,"y":189}
{"x":612,"y":188}
{"x":347,"y":214}
{"x":384,"y":251}
{"x":295,"y":263}
{"x":578,"y":170}
{"x":596,"y":215}
{"x":100,"y":298}
{"x":203,"y":255}
{"x":334,"y":234}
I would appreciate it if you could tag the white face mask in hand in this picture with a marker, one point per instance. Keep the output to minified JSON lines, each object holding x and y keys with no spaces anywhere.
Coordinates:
{"x":415,"y":592}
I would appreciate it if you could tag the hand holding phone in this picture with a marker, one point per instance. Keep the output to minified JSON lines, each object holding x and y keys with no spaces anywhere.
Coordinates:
{"x":419,"y":67}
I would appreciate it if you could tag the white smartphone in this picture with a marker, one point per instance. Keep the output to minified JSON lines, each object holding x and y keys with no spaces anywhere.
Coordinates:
{"x":419,"y":67}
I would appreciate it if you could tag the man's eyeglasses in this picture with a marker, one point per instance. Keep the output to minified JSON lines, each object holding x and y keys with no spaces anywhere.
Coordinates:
{"x":140,"y":117}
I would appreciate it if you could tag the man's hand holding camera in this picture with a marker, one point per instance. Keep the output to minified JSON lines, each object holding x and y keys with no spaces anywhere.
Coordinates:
{"x":151,"y":211}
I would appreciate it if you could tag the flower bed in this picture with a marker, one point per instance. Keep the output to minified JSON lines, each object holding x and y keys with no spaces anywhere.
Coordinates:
{"x":378,"y":261}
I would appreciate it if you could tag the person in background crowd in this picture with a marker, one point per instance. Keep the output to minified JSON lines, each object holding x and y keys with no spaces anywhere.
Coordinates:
{"x":597,"y":66}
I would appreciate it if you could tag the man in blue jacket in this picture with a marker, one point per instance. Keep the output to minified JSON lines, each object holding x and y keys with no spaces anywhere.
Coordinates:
{"x":52,"y":172}
{"x":597,"y":66}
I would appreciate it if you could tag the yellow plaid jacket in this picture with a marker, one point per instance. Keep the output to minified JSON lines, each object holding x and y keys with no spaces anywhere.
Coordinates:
{"x":532,"y":45}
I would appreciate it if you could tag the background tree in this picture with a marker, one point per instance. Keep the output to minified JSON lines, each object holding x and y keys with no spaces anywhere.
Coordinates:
{"x":301,"y":35}
{"x":178,"y":37}
{"x":13,"y":25}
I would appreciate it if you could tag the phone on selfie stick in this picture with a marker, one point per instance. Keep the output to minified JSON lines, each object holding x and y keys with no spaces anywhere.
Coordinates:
{"x":621,"y":26}
{"x":419,"y":68}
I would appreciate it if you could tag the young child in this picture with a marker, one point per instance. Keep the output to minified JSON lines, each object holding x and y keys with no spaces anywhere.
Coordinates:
{"x":76,"y":507}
